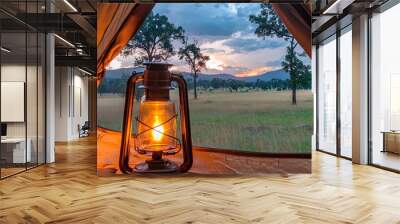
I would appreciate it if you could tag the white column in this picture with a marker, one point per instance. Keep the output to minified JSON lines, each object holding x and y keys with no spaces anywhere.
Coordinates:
{"x":360,"y":90}
{"x":314,"y":91}
{"x":50,"y":98}
{"x":63,"y":102}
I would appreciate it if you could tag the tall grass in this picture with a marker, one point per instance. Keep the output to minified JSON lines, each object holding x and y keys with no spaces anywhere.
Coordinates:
{"x":260,"y":121}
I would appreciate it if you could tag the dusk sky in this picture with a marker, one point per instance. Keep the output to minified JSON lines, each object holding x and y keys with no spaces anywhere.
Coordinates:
{"x":225,"y":34}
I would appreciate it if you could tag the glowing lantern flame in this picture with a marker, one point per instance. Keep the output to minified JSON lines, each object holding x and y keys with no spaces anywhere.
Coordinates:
{"x":158,"y":130}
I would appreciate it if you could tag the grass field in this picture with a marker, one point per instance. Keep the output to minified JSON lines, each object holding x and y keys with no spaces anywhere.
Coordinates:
{"x":261,"y":121}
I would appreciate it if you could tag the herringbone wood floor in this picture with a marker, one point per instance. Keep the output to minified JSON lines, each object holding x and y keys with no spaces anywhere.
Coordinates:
{"x":70,"y":192}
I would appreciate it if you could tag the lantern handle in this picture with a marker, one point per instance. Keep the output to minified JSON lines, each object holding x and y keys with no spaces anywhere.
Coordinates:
{"x":185,"y":123}
{"x":127,"y":122}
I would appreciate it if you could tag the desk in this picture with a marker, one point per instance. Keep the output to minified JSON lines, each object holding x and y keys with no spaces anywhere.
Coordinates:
{"x":15,"y":148}
{"x":391,"y":141}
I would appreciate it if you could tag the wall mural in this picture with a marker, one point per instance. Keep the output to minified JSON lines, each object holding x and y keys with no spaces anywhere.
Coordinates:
{"x":203,"y":88}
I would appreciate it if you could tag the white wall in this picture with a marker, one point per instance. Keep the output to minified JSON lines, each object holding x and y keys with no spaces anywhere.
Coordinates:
{"x":71,"y":87}
{"x":61,"y":103}
{"x":10,"y":73}
{"x":81,"y":89}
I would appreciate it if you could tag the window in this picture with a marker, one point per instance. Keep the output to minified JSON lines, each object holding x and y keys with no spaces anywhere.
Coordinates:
{"x":327,"y":95}
{"x":346,"y":92}
{"x":385,"y":89}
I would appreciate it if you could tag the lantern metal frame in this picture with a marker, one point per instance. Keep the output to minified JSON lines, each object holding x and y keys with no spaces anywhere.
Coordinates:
{"x":157,"y":81}
{"x":172,"y":151}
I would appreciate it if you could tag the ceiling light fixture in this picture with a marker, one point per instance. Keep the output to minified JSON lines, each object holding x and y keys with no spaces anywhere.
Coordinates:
{"x":64,"y":40}
{"x":337,"y":7}
{"x":5,"y":50}
{"x":84,"y":71}
{"x":70,"y":5}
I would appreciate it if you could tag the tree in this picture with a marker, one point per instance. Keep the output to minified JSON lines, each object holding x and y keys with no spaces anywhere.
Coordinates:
{"x":269,"y":25}
{"x":153,"y":41}
{"x":305,"y":77}
{"x":299,"y":72}
{"x":191,"y":53}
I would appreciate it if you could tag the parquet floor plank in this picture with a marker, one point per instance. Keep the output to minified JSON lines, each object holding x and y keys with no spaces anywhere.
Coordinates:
{"x":69,"y":191}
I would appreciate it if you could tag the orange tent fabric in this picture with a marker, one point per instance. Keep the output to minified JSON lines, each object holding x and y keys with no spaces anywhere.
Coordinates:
{"x":116,"y":25}
{"x":297,"y":19}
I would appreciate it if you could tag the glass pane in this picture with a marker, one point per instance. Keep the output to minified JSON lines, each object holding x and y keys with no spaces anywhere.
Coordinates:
{"x":13,"y":86}
{"x":22,"y":79}
{"x":327,"y":96}
{"x":32,"y":86}
{"x":385,"y":92}
{"x":346,"y":94}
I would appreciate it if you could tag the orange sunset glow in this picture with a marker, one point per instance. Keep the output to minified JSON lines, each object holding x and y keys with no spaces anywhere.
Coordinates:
{"x":254,"y":72}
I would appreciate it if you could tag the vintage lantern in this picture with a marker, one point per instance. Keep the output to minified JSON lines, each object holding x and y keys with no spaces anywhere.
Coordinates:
{"x":156,"y":123}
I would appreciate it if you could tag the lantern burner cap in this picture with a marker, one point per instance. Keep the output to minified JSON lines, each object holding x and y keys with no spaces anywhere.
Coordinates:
{"x":156,"y":165}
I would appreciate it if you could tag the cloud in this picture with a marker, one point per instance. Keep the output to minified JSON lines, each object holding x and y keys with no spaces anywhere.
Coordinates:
{"x":209,"y":19}
{"x":251,"y":44}
{"x":254,"y":71}
{"x":275,"y":63}
{"x":212,"y":50}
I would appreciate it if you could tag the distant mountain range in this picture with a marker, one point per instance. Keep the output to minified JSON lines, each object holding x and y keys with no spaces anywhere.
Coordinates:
{"x":277,"y":74}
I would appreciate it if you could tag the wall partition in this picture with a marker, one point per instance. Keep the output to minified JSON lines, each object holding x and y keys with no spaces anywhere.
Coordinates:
{"x":22,"y":77}
{"x":385,"y":89}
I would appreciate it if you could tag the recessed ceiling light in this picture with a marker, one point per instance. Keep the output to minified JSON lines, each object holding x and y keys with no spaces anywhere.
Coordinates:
{"x":64,"y":40}
{"x":84,"y":71}
{"x":70,"y":5}
{"x":337,"y":7}
{"x":5,"y":50}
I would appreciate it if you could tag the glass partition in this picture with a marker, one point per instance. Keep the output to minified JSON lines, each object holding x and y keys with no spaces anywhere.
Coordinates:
{"x":22,"y":90}
{"x":13,"y":104}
